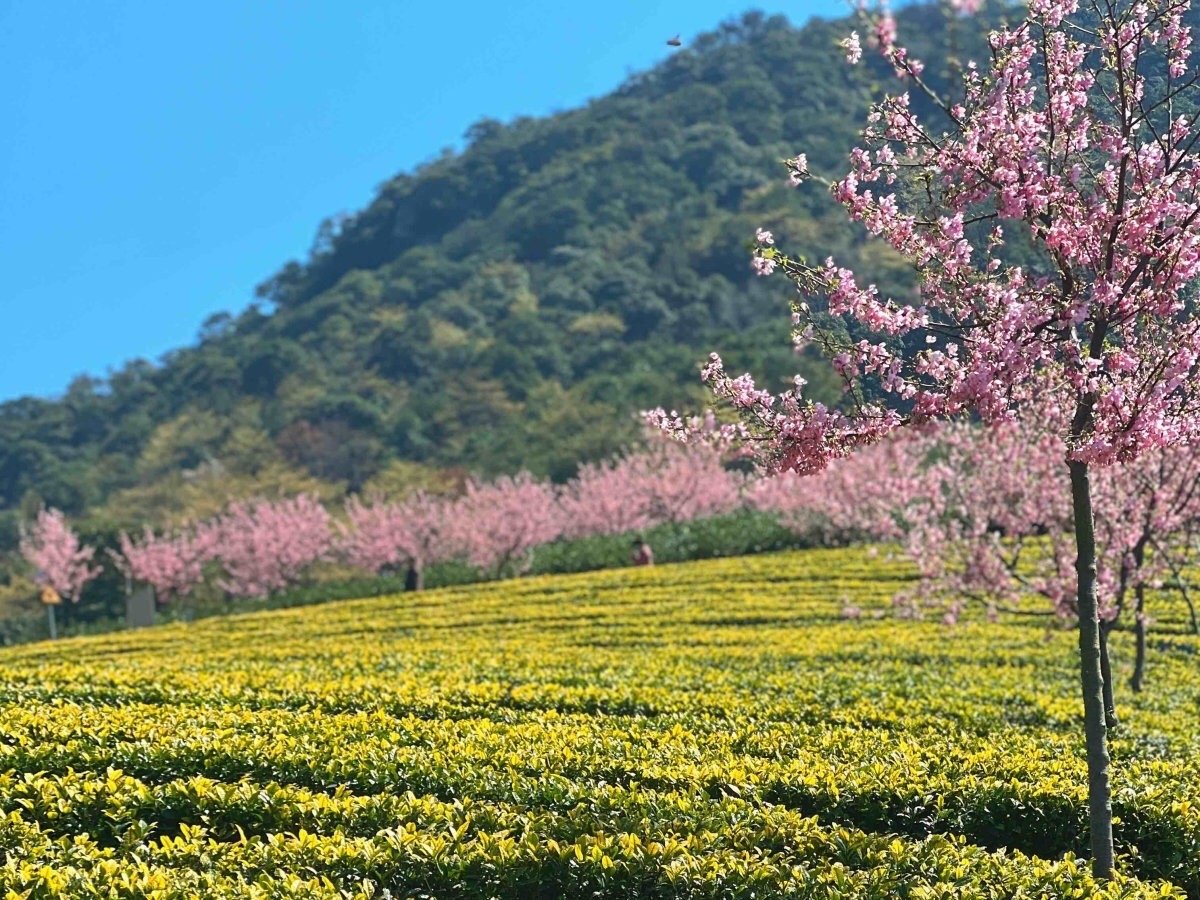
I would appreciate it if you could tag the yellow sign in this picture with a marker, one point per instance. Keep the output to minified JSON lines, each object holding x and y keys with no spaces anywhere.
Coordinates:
{"x":50,"y":596}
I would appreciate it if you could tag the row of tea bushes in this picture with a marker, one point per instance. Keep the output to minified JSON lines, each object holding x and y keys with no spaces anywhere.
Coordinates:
{"x":778,"y":855}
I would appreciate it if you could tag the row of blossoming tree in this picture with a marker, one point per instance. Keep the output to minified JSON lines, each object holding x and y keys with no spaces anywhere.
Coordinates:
{"x":1077,"y":141}
{"x":979,"y":511}
{"x":257,"y":548}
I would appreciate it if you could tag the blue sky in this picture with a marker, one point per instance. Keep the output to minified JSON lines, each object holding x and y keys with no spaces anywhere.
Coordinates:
{"x":161,"y":159}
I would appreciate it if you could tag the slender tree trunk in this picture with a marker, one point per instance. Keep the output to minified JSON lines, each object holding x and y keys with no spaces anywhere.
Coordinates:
{"x":1187,"y":598}
{"x":1110,"y":704}
{"x":1139,"y":634}
{"x":50,"y":618}
{"x":1095,"y":729}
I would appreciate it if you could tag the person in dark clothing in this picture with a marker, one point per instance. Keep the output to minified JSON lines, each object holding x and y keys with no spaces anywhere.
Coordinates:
{"x":641,"y":555}
{"x":414,"y":578}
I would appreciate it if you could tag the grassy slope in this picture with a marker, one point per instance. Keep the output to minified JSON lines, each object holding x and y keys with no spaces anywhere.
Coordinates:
{"x":707,"y":729}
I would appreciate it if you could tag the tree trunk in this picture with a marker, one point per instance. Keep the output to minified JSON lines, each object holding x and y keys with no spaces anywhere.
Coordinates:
{"x":50,"y":619}
{"x":1110,"y":704}
{"x":1139,"y":634}
{"x":1187,"y":598}
{"x":1092,"y":679}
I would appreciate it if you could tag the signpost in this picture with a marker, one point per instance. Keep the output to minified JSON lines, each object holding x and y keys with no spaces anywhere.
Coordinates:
{"x":51,"y":599}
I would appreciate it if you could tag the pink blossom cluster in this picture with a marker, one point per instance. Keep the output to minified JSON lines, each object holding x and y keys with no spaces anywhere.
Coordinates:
{"x":382,"y":535}
{"x":59,"y":559}
{"x":495,"y":525}
{"x":609,"y":497}
{"x":998,"y":525}
{"x":990,"y":519}
{"x":863,"y":496}
{"x":788,"y":432}
{"x":172,"y":563}
{"x":1099,"y":175}
{"x":255,"y":548}
{"x":686,"y":483}
{"x":265,"y":545}
{"x":986,"y":516}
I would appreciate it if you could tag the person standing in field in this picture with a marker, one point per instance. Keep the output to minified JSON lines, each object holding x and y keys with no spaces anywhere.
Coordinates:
{"x":414,"y":578}
{"x":641,"y":555}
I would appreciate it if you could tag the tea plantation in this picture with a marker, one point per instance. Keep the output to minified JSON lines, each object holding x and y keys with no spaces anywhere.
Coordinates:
{"x":715,"y":729}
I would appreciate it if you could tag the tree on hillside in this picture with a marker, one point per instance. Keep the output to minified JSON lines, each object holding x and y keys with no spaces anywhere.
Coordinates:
{"x":266,"y":545}
{"x":987,"y":517}
{"x":1079,"y":143}
{"x":171,"y":563}
{"x":60,"y":560}
{"x":379,"y":536}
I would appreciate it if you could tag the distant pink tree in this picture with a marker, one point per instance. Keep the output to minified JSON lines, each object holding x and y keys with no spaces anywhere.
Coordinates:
{"x":368,"y":539}
{"x":864,"y":495}
{"x":382,"y":535}
{"x":265,"y":545}
{"x":664,"y":482}
{"x":608,"y":497}
{"x":172,"y":564}
{"x":58,"y":557}
{"x":1074,"y":140}
{"x":690,"y":482}
{"x":1148,"y":515}
{"x":992,"y":521}
{"x":496,"y":524}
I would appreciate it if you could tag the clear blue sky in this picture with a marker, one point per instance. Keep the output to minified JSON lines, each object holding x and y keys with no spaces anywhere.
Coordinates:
{"x":158,"y":160}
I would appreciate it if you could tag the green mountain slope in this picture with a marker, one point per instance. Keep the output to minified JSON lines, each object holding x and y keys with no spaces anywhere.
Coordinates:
{"x":509,"y":306}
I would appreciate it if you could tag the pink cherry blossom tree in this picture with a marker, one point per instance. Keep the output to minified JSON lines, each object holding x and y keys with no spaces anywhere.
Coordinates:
{"x":990,"y":520}
{"x":662,"y":482}
{"x":171,"y":563}
{"x":688,"y":482}
{"x":496,"y":524}
{"x":865,"y":495}
{"x":1073,"y":140}
{"x":1146,"y":513}
{"x":59,"y":559}
{"x":381,"y":535}
{"x":265,"y":545}
{"x":608,"y":497}
{"x":993,"y":522}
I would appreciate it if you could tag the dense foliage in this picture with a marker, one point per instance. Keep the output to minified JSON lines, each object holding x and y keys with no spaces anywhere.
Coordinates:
{"x":508,"y":306}
{"x":717,"y":729}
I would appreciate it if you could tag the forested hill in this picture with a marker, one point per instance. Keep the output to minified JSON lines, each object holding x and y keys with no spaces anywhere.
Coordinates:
{"x":510,"y":306}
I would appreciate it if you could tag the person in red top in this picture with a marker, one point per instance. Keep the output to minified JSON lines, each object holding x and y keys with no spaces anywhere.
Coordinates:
{"x":641,"y":555}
